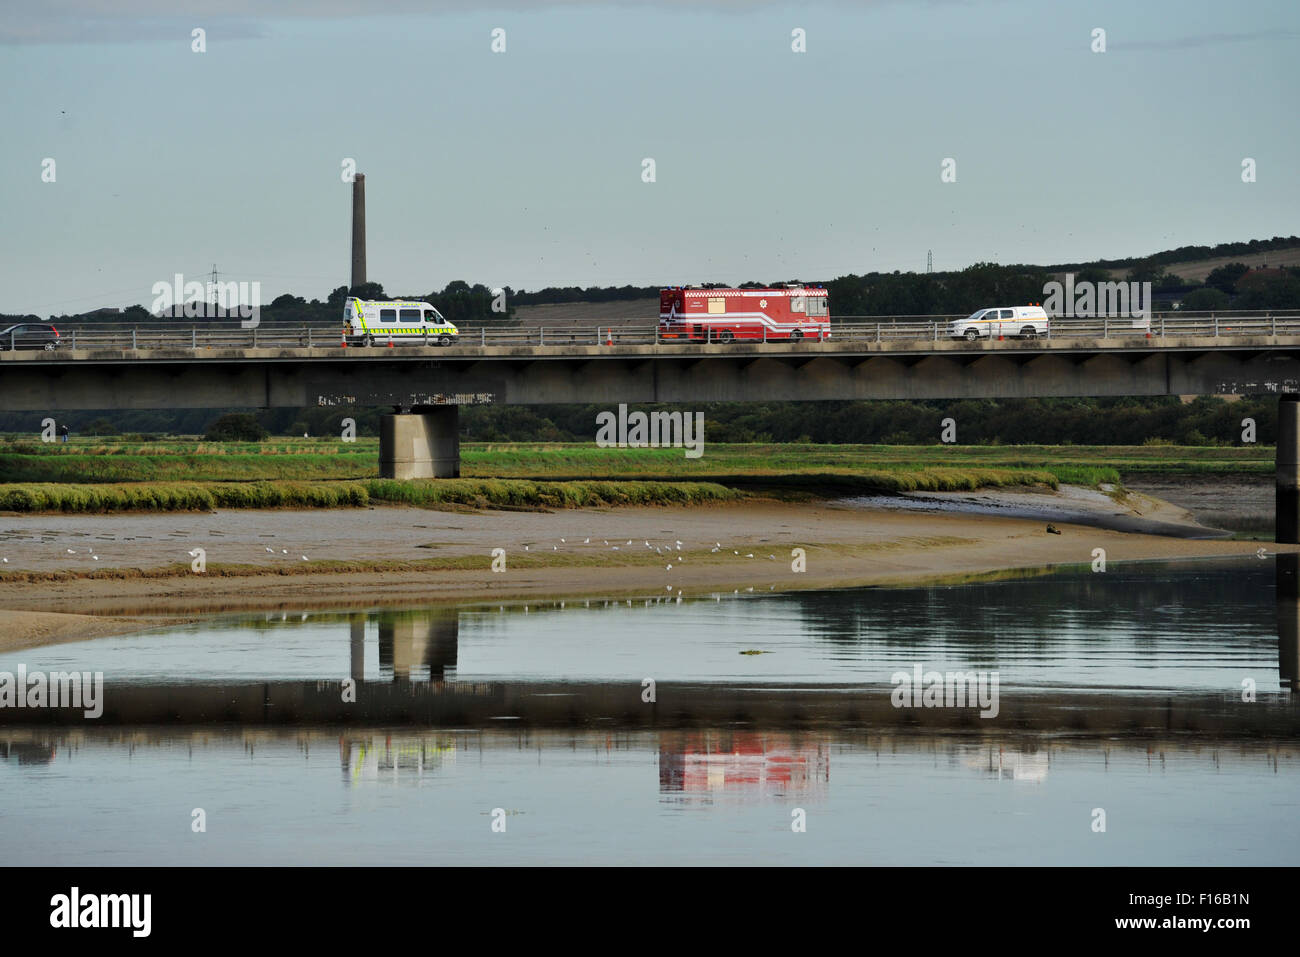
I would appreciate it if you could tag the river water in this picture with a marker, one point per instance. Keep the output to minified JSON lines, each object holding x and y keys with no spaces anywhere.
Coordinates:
{"x":649,"y":731}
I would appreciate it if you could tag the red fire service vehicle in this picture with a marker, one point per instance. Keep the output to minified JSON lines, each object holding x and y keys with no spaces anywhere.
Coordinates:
{"x":724,"y":315}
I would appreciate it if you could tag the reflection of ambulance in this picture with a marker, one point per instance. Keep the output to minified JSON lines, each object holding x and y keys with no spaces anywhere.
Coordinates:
{"x":1025,"y":322}
{"x":367,"y":322}
{"x":388,"y":758}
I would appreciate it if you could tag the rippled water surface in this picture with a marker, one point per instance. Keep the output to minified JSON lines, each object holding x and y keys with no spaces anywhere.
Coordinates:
{"x":709,"y":797}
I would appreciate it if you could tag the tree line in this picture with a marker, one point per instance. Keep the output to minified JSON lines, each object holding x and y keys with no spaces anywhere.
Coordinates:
{"x":1205,"y":421}
{"x":458,"y":301}
{"x":1235,"y":285}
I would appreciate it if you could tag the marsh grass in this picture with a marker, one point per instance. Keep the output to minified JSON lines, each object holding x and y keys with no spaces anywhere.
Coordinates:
{"x":329,"y":459}
{"x":481,"y":493}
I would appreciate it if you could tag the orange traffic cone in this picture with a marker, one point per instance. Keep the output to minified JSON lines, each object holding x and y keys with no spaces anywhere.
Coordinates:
{"x":390,"y":343}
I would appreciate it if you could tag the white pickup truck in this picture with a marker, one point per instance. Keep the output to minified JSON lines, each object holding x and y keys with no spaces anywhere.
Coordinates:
{"x":1023,"y":322}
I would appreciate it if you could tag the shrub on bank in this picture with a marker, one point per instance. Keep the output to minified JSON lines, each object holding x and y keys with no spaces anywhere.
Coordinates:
{"x":236,"y":427}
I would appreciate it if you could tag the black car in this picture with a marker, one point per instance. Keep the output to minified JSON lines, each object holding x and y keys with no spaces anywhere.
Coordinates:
{"x":30,"y":335}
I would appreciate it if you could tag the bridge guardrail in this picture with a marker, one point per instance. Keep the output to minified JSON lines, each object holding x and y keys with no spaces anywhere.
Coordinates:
{"x":866,"y":329}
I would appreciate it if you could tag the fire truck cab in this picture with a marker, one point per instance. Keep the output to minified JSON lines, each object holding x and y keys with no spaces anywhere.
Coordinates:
{"x":790,"y":313}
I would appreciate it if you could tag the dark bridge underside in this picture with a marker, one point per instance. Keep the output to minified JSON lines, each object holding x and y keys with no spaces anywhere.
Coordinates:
{"x":411,"y":377}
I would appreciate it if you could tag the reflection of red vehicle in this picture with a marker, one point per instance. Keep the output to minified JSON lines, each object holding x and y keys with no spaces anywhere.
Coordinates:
{"x":742,"y":762}
{"x":725,"y":315}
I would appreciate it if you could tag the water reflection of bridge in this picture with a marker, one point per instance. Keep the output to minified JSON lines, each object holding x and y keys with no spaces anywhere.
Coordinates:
{"x":420,"y":644}
{"x":617,"y":705}
{"x":417,"y":684}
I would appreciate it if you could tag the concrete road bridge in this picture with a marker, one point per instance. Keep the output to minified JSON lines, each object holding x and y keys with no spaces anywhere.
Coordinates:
{"x":220,"y":365}
{"x":159,"y":366}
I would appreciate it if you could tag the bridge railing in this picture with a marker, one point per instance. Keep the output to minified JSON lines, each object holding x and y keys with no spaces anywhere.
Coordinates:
{"x":149,"y":336}
{"x":862,"y":329}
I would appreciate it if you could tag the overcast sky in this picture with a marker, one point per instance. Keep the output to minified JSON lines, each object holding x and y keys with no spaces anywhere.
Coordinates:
{"x":525,"y":167}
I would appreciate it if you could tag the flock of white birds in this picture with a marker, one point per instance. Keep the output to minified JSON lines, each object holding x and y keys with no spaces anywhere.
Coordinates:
{"x":671,"y":548}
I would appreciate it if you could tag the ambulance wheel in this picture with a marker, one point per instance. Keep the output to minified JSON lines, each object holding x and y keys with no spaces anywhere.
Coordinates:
{"x":972,"y":335}
{"x":1029,"y":332}
{"x":796,"y":335}
{"x":368,"y":341}
{"x":444,"y":340}
{"x":726,"y":336}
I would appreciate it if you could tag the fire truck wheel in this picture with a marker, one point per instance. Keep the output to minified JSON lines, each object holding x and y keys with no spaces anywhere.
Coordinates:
{"x":726,"y":336}
{"x":797,"y":335}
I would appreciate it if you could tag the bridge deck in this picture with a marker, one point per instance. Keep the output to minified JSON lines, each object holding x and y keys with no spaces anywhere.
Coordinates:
{"x":413,"y":351}
{"x":294,"y":368}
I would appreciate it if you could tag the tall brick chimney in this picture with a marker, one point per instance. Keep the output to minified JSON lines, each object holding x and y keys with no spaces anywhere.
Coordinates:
{"x":358,"y":230}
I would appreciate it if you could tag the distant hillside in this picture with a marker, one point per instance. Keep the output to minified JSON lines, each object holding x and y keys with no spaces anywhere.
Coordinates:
{"x":1225,"y":252}
{"x":1197,"y":271}
{"x":1177,"y":275}
{"x":945,"y":293}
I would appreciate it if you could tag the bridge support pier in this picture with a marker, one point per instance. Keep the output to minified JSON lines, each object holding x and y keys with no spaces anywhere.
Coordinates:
{"x":1287,"y":462}
{"x":423,"y":444}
